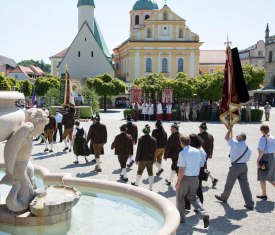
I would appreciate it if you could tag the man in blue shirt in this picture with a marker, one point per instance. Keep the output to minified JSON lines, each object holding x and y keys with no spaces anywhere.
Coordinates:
{"x":239,"y":156}
{"x":189,"y":163}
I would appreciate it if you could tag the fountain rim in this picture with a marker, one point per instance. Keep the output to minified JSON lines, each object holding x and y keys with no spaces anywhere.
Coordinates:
{"x":158,"y":202}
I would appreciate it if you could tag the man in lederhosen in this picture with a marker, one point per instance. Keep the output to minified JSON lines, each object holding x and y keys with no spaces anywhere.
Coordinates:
{"x":133,"y":131}
{"x":68,"y":122}
{"x":98,"y":136}
{"x":172,"y":149}
{"x":123,"y":145}
{"x":48,"y":133}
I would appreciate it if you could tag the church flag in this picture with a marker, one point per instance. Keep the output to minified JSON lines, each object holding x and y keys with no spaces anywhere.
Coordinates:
{"x":69,"y":99}
{"x":234,"y":88}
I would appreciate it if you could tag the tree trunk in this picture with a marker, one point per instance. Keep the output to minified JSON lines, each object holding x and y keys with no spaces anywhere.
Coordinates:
{"x":105,"y":98}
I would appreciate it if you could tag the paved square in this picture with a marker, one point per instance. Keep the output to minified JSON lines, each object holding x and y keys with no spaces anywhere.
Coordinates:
{"x":231,"y":218}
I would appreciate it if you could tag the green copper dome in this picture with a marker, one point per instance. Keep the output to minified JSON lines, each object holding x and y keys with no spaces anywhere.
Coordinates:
{"x":145,"y":5}
{"x":85,"y":3}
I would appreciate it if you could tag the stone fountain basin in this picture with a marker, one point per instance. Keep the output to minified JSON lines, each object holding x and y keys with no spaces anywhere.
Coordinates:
{"x":58,"y":199}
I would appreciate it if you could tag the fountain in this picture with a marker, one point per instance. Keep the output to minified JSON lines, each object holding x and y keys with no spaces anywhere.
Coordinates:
{"x":124,"y":208}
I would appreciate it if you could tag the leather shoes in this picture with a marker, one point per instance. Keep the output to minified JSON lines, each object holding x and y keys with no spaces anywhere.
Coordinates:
{"x":159,"y":172}
{"x":167,"y":182}
{"x":220,"y":199}
{"x":124,"y":179}
{"x":262,"y":197}
{"x":130,"y":164}
{"x":249,"y":207}
{"x":214,"y":183}
{"x":133,"y":183}
{"x":206,"y":221}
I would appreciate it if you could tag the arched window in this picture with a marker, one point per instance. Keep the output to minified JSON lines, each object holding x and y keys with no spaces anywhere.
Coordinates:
{"x":180,"y":33}
{"x":137,"y":20}
{"x":149,"y":33}
{"x":180,"y":65}
{"x":147,"y":17}
{"x":148,"y":65}
{"x":165,"y":16}
{"x":164,"y":65}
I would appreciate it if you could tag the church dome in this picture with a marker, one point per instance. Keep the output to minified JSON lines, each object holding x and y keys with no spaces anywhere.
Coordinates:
{"x":145,"y":5}
{"x":85,"y":3}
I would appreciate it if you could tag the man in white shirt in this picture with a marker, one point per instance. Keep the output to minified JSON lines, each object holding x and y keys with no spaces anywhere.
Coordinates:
{"x":58,"y":119}
{"x":159,"y":110}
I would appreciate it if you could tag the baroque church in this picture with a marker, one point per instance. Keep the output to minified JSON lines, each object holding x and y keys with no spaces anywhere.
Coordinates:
{"x":159,"y":42}
{"x":88,"y":54}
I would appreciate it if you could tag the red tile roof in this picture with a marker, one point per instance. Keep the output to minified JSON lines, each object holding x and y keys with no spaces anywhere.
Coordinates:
{"x":37,"y":71}
{"x":60,"y":54}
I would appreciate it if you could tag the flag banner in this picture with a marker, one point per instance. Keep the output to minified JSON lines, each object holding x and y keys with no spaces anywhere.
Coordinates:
{"x":62,"y":89}
{"x":136,"y":95}
{"x":33,"y":100}
{"x":234,"y":88}
{"x":167,"y":95}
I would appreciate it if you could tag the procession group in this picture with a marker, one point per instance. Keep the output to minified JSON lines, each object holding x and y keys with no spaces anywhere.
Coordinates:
{"x":188,"y":154}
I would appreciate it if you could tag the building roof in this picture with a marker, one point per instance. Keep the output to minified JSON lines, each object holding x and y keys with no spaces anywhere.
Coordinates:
{"x":37,"y":71}
{"x":85,"y":3}
{"x":271,"y":40}
{"x":212,"y":57}
{"x":22,"y":69}
{"x":145,"y":5}
{"x":7,"y":61}
{"x":60,"y":54}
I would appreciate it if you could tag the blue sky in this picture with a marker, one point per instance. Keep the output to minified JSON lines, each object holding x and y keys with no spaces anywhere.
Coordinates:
{"x":38,"y":29}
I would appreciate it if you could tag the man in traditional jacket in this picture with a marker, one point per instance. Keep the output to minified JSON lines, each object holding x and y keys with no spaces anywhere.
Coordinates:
{"x":123,"y":145}
{"x":97,"y":136}
{"x":145,"y":156}
{"x":49,"y":132}
{"x":172,"y":149}
{"x":68,"y":122}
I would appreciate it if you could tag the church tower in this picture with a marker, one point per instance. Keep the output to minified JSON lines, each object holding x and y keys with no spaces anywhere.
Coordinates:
{"x":266,"y":34}
{"x":141,"y":11}
{"x":86,"y":13}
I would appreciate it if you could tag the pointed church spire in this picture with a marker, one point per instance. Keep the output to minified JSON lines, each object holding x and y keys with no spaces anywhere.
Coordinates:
{"x":266,"y":34}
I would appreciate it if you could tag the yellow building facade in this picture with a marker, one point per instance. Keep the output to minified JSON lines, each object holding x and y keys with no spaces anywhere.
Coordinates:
{"x":160,"y":42}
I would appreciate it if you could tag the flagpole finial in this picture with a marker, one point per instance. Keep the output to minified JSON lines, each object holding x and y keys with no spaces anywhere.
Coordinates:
{"x":67,"y":67}
{"x":228,"y":43}
{"x":165,"y":1}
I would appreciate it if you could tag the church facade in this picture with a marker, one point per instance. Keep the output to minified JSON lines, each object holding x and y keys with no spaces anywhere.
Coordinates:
{"x":88,"y":55}
{"x":159,"y":42}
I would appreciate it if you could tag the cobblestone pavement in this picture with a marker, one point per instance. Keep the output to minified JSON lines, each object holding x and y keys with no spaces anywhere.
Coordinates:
{"x":231,"y":218}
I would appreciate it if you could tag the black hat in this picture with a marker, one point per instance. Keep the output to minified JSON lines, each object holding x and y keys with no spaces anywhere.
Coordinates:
{"x":123,"y":128}
{"x":158,"y":123}
{"x":146,"y":129}
{"x":175,"y":125}
{"x":129,"y":117}
{"x":203,"y":126}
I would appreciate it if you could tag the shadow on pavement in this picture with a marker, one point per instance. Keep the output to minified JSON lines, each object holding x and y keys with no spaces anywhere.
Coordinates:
{"x":169,"y":193}
{"x":88,"y":174}
{"x":264,"y":206}
{"x":73,"y":165}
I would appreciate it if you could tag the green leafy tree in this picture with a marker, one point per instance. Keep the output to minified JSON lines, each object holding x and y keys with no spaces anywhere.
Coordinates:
{"x":4,"y":83}
{"x":41,"y":64}
{"x":43,"y":85}
{"x":26,"y":87}
{"x":52,"y":97}
{"x":105,"y":85}
{"x":90,"y":96}
{"x":253,"y":76}
{"x":184,"y":86}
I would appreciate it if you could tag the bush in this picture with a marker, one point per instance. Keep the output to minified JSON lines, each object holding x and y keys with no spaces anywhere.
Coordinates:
{"x":256,"y":115}
{"x":126,"y":112}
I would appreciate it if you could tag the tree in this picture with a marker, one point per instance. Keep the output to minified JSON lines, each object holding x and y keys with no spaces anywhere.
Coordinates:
{"x":42,"y":85}
{"x":41,"y":64}
{"x":253,"y":76}
{"x":183,"y":86}
{"x":91,"y":96}
{"x":105,"y":85}
{"x":26,"y":87}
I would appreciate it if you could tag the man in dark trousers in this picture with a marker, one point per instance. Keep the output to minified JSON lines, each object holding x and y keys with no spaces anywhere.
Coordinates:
{"x":239,"y":156}
{"x":133,"y":131}
{"x":48,"y":133}
{"x":123,"y":145}
{"x":58,"y":118}
{"x":68,"y":122}
{"x":172,"y":150}
{"x":98,"y":136}
{"x":145,"y":156}
{"x":208,"y":146}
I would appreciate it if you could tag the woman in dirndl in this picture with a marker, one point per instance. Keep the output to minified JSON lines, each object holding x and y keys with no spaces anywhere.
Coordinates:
{"x":266,"y":160}
{"x":80,"y":146}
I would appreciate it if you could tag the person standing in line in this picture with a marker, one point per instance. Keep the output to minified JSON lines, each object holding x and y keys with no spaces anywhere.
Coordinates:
{"x":133,"y":131}
{"x":144,"y":110}
{"x":239,"y":156}
{"x":169,"y":111}
{"x":267,"y":109}
{"x":187,"y":112}
{"x":151,"y":111}
{"x":248,"y":112}
{"x":58,"y":119}
{"x":161,"y":136}
{"x":172,"y":149}
{"x":135,"y":112}
{"x":48,"y":132}
{"x":196,"y":142}
{"x":182,"y":112}
{"x":80,"y":146}
{"x":97,"y":136}
{"x":68,"y":122}
{"x":187,"y":183}
{"x":145,"y":156}
{"x":159,"y":110}
{"x":123,"y":145}
{"x":266,"y":148}
{"x":208,"y":146}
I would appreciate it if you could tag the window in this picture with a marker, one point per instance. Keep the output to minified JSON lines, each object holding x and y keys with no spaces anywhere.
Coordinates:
{"x":137,"y":20}
{"x":92,"y":54}
{"x":211,"y":71}
{"x":147,"y":17}
{"x":260,"y":53}
{"x":149,"y":33}
{"x":270,"y":55}
{"x":164,"y":65}
{"x":148,"y":65}
{"x":165,"y":16}
{"x":78,"y":53}
{"x":180,"y":65}
{"x":180,"y":33}
{"x":85,"y":39}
